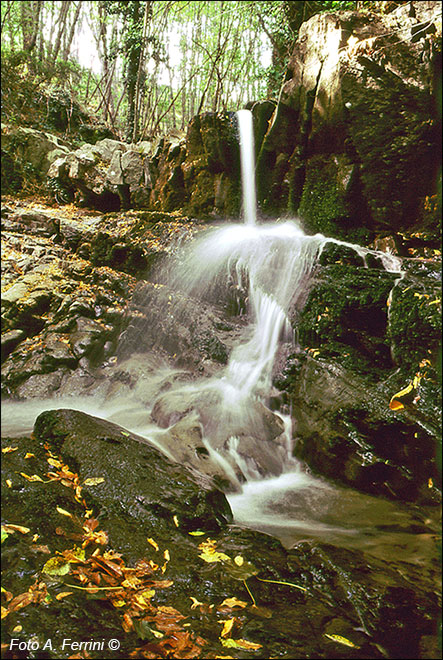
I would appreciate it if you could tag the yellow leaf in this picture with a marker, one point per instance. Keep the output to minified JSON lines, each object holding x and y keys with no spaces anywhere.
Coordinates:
{"x":8,"y":450}
{"x":209,"y":553}
{"x":166,"y":555}
{"x":56,"y":566}
{"x":239,"y":560}
{"x":9,"y":483}
{"x":29,"y":455}
{"x":153,"y":543}
{"x":132,"y":581}
{"x":17,"y":629}
{"x":33,"y":477}
{"x":227,"y":627}
{"x":93,"y":481}
{"x":430,"y":483}
{"x":197,"y":533}
{"x":63,"y":512}
{"x":5,"y":612}
{"x":342,"y":640}
{"x":240,"y":644}
{"x":195,"y":602}
{"x":15,"y":528}
{"x":63,"y":594}
{"x":394,"y":403}
{"x":211,"y":557}
{"x":175,"y":519}
{"x":233,"y":602}
{"x":54,"y":462}
{"x":143,"y":598}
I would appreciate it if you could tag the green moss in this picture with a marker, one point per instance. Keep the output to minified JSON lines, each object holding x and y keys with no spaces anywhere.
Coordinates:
{"x":323,"y":205}
{"x":346,"y":315}
{"x":415,"y":322}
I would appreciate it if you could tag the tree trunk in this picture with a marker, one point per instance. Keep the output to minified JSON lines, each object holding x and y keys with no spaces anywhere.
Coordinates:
{"x":68,"y":43}
{"x":62,"y":26}
{"x":30,"y":12}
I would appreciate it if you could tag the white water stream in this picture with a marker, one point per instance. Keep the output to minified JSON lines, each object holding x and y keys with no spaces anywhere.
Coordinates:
{"x":269,"y":266}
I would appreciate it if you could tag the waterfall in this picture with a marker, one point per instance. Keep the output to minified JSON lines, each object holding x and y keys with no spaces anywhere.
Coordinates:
{"x":247,"y":158}
{"x":268,"y":267}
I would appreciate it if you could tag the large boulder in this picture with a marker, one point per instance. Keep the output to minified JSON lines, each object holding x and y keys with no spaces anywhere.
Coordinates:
{"x":27,"y":155}
{"x":108,"y":174}
{"x":353,"y":143}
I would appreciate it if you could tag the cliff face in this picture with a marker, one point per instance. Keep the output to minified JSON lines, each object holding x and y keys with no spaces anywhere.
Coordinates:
{"x":353,"y":142}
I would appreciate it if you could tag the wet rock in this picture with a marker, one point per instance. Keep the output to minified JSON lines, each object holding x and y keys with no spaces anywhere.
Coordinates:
{"x":348,"y":305}
{"x":10,"y":341}
{"x":88,"y":339}
{"x":95,"y":446}
{"x":192,"y":332}
{"x":382,"y":607}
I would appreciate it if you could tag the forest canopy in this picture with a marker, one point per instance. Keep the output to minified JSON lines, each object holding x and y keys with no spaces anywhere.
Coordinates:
{"x":145,"y":67}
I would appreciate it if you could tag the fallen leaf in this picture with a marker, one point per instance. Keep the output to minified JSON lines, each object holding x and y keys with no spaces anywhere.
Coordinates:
{"x":195,"y":602}
{"x":32,"y":477}
{"x":10,"y":529}
{"x":210,"y":554}
{"x":227,"y":627}
{"x":20,"y":601}
{"x":56,"y":566}
{"x":54,"y":462}
{"x":63,"y":512}
{"x":342,"y":640}
{"x":8,"y":450}
{"x":233,"y":602}
{"x":239,"y":560}
{"x":93,"y":481}
{"x":153,"y":543}
{"x":63,"y":594}
{"x":241,"y":644}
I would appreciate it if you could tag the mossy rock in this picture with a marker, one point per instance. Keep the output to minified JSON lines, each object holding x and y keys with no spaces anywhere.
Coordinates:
{"x":346,"y":311}
{"x":330,"y":201}
{"x":415,"y":316}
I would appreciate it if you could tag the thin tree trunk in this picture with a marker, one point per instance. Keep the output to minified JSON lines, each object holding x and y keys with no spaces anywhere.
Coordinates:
{"x":68,"y":43}
{"x":62,"y":26}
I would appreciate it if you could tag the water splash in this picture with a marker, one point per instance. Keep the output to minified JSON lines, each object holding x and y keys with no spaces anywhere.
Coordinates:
{"x":270,"y":266}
